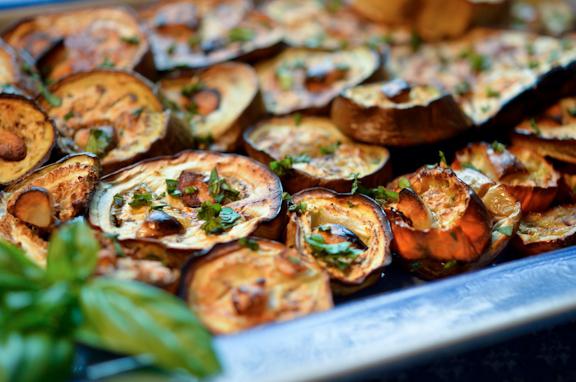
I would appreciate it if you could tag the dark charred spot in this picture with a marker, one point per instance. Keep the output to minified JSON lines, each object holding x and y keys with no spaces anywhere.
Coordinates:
{"x":320,"y":77}
{"x":158,"y":224}
{"x":194,"y":189}
{"x":337,"y":233}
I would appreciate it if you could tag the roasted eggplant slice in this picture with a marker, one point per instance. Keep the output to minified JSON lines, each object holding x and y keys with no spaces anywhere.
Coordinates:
{"x":197,"y":34}
{"x":546,"y":231}
{"x":526,"y":175}
{"x":252,"y":282}
{"x":348,"y":235}
{"x":503,"y":207}
{"x":216,"y":105}
{"x":396,"y":113}
{"x":300,"y":79}
{"x":330,"y":25}
{"x":205,"y":198}
{"x":33,"y":206}
{"x":17,"y":72}
{"x":495,"y":75}
{"x":310,"y":151}
{"x":26,"y":137}
{"x":553,"y":134}
{"x":440,"y":224}
{"x":113,"y":114}
{"x":82,"y":40}
{"x":386,"y":12}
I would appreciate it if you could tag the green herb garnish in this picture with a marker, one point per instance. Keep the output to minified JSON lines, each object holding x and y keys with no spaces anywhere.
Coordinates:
{"x":283,"y":166}
{"x":240,"y":34}
{"x":340,"y":255}
{"x":68,"y":115}
{"x":534,"y":127}
{"x":217,"y":219}
{"x":506,"y":230}
{"x":249,"y":243}
{"x":219,"y":188}
{"x":403,"y":182}
{"x":189,"y":90}
{"x":132,"y":40}
{"x":141,"y":199}
{"x":107,"y":63}
{"x":491,"y":93}
{"x":449,"y":264}
{"x":330,"y":149}
{"x":298,"y":208}
{"x":172,"y":188}
{"x":297,"y":119}
{"x":99,"y":141}
{"x":443,"y":162}
{"x":498,"y":147}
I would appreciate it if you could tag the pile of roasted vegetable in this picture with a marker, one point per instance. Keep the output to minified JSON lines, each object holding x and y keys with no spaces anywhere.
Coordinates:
{"x":241,"y":156}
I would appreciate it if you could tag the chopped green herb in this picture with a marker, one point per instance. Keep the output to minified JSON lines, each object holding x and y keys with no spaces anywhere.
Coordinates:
{"x":249,"y":243}
{"x":533,"y":64}
{"x":190,"y":190}
{"x":219,"y":188}
{"x":470,"y":166}
{"x":217,"y":219}
{"x":27,"y":69}
{"x":297,"y":119}
{"x":298,"y":208}
{"x":286,"y":197}
{"x":491,"y":93}
{"x":377,"y":42}
{"x":52,"y":99}
{"x":462,"y":88}
{"x":443,"y":161}
{"x":534,"y":127}
{"x":340,"y":255}
{"x":403,"y":182}
{"x":449,"y":264}
{"x":453,"y":235}
{"x":498,"y":147}
{"x":333,"y":6}
{"x":189,"y":90}
{"x":415,"y":41}
{"x":572,"y":111}
{"x":283,"y":166}
{"x":240,"y":34}
{"x":141,"y":199}
{"x":68,"y":115}
{"x":99,"y":141}
{"x":132,"y":40}
{"x":285,"y":77}
{"x":506,"y":230}
{"x":107,"y":63}
{"x":159,"y":207}
{"x":171,"y":49}
{"x":478,"y":62}
{"x":116,"y":244}
{"x":203,"y":141}
{"x":118,"y":200}
{"x":172,"y":188}
{"x":381,"y":194}
{"x":137,"y":112}
{"x":194,"y":40}
{"x":330,"y":149}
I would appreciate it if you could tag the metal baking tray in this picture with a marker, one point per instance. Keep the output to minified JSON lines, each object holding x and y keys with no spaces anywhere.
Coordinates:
{"x":399,"y":321}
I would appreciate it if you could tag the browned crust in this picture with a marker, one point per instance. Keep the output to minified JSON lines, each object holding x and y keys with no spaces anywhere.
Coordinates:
{"x":441,"y":119}
{"x":562,"y":149}
{"x":47,"y":120}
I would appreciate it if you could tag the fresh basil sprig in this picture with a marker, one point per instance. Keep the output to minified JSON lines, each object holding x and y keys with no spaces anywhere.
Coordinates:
{"x":45,"y":312}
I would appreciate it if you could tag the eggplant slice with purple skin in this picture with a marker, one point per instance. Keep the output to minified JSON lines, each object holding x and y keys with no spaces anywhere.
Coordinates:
{"x":216,"y":105}
{"x":306,"y":79}
{"x":310,"y":152}
{"x":251,"y":282}
{"x":115,"y":115}
{"x":18,"y":74}
{"x":82,"y":40}
{"x":198,"y":33}
{"x":36,"y":204}
{"x":396,"y":113}
{"x":347,"y":235}
{"x":546,"y":231}
{"x":189,"y":202}
{"x":553,"y":134}
{"x":27,"y":136}
{"x":526,"y":175}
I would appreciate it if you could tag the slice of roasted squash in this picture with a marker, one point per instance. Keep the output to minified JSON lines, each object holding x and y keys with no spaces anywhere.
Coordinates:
{"x":216,"y":104}
{"x":204,"y":198}
{"x":33,"y":206}
{"x":526,"y":175}
{"x":552,"y":134}
{"x":253,"y":281}
{"x":546,"y":231}
{"x":396,"y":113}
{"x":196,"y":34}
{"x":26,"y":137}
{"x":300,"y":79}
{"x":440,"y":224}
{"x":348,"y":235}
{"x":310,"y":151}
{"x":95,"y":38}
{"x":113,"y":114}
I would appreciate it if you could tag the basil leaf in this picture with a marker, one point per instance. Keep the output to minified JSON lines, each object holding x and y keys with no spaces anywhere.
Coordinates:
{"x":72,"y":252}
{"x":138,"y":319}
{"x":17,"y":271}
{"x":35,"y":357}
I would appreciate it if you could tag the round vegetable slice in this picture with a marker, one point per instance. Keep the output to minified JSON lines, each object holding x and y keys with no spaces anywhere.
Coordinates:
{"x":396,"y":113}
{"x":348,"y":235}
{"x":526,"y":175}
{"x":299,"y":79}
{"x":254,"y":281}
{"x":188,"y":202}
{"x":440,"y":224}
{"x":17,"y":72}
{"x":33,"y":206}
{"x":546,"y":231}
{"x":310,"y":151}
{"x":552,"y":134}
{"x":113,"y":114}
{"x":196,"y":34}
{"x":216,"y":104}
{"x":26,"y":137}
